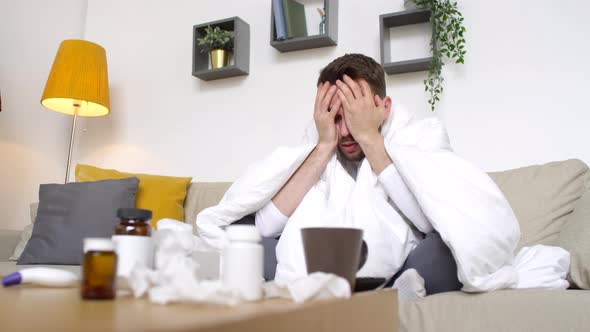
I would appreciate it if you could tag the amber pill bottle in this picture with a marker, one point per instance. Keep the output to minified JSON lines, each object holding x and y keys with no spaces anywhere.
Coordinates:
{"x":134,"y":222}
{"x":99,"y":269}
{"x":134,"y":242}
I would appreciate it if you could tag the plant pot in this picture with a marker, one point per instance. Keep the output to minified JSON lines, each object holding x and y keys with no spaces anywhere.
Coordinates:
{"x":410,"y":4}
{"x":219,"y":58}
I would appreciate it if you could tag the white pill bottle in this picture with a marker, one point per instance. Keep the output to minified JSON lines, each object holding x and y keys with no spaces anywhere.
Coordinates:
{"x":243,"y":262}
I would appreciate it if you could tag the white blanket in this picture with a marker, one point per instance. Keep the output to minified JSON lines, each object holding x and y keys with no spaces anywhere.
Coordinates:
{"x":462,"y":202}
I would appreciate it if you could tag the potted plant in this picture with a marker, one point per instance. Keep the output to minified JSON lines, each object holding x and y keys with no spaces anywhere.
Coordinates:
{"x":448,"y":41}
{"x":219,"y":43}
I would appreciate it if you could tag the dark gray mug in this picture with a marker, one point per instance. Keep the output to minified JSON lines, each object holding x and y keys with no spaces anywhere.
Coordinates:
{"x":341,"y":251}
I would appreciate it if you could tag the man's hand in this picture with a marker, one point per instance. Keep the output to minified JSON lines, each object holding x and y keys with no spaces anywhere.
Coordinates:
{"x":324,"y":117}
{"x":364,"y":112}
{"x":292,"y":193}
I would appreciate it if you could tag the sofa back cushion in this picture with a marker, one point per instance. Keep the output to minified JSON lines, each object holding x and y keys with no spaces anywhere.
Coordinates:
{"x":25,"y":235}
{"x":575,"y":238}
{"x":542,"y":197}
{"x":202,"y":195}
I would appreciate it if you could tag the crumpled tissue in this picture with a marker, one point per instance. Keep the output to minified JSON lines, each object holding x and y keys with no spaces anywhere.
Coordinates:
{"x":174,"y":278}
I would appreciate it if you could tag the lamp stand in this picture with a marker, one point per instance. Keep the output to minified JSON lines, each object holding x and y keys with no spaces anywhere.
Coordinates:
{"x":76,"y":107}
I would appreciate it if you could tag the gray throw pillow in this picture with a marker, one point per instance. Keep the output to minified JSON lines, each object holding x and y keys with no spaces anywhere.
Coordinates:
{"x":71,"y":212}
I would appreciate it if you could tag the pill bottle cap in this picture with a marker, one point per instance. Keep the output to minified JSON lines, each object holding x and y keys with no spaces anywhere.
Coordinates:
{"x":247,"y":233}
{"x":133,"y":213}
{"x":98,"y":244}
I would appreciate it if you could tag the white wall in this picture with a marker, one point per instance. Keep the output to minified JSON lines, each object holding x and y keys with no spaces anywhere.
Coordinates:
{"x":33,"y":140}
{"x":521,"y":98}
{"x":518,"y":100}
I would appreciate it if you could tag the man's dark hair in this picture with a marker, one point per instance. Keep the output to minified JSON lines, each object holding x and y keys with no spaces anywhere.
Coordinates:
{"x":357,"y":66}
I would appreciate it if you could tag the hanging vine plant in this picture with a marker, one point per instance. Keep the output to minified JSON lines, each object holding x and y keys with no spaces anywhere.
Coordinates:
{"x":448,"y":40}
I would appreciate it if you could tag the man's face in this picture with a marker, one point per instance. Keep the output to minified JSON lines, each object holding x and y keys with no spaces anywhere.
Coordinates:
{"x":347,"y":145}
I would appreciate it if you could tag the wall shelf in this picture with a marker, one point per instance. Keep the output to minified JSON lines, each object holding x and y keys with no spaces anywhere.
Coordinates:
{"x":330,"y":38}
{"x":397,"y":19}
{"x":241,"y":51}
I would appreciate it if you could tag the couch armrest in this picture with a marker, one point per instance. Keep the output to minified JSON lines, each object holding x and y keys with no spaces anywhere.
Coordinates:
{"x":8,"y":241}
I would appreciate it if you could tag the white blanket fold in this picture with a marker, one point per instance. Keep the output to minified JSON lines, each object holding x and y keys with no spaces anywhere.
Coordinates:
{"x":462,"y":202}
{"x":250,"y":192}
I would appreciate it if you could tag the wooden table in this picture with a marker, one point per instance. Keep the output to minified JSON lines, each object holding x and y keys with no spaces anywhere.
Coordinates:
{"x":26,"y":308}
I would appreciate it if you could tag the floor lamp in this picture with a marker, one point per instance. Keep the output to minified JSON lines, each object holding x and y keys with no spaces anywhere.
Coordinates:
{"x":78,"y":84}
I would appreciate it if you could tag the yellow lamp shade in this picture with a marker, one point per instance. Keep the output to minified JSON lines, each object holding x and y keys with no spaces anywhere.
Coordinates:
{"x":78,"y":81}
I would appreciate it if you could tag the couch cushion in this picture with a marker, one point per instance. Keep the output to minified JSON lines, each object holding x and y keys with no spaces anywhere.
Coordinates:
{"x":70,"y":212}
{"x":163,"y":195}
{"x":575,"y":238}
{"x":25,"y":235}
{"x":505,"y":310}
{"x":202,"y":195}
{"x":8,"y":239}
{"x":542,"y":197}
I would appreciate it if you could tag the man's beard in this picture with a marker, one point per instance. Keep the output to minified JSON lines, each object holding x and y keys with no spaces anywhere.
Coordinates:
{"x":358,"y":157}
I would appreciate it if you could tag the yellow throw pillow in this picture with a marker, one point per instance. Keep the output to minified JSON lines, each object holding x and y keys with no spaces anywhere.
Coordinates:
{"x":164,"y":195}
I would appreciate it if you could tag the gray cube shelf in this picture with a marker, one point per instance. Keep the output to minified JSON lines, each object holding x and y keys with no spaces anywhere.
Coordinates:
{"x":330,"y":38}
{"x":241,"y":52}
{"x":398,"y":19}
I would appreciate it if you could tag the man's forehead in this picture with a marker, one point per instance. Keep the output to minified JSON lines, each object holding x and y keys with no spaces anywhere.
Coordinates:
{"x":358,"y":80}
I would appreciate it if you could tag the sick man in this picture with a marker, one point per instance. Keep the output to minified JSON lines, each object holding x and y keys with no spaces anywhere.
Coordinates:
{"x":351,"y":107}
{"x":432,"y":221}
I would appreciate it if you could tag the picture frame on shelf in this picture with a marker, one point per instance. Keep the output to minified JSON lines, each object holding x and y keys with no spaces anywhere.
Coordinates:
{"x":329,"y":38}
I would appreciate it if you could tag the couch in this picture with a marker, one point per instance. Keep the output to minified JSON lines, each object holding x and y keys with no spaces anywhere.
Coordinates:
{"x":542,"y":197}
